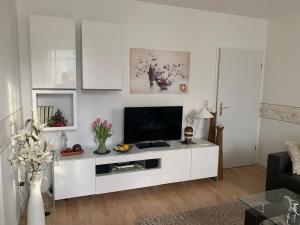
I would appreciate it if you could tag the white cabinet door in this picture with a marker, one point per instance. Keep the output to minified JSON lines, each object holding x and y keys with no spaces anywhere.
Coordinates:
{"x":204,"y":162}
{"x":74,"y":178}
{"x":53,"y":56}
{"x":176,"y":166}
{"x":101,"y":55}
{"x":127,"y":181}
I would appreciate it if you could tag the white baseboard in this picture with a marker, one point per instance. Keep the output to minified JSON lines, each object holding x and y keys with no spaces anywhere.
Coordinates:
{"x":260,"y":163}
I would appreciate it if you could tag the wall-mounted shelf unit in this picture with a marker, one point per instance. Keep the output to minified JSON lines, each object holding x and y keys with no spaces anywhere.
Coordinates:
{"x":64,"y":100}
{"x":53,"y":54}
{"x":101,"y":55}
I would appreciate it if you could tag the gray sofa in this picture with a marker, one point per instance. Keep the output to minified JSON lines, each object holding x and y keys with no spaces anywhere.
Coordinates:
{"x":279,"y":173}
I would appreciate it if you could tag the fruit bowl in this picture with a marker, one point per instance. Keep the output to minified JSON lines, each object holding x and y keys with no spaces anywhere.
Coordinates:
{"x":75,"y":150}
{"x":122,"y":148}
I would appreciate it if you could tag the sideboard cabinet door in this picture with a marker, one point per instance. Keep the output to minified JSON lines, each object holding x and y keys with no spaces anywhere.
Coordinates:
{"x":53,"y":56}
{"x":74,"y":178}
{"x":204,"y":162}
{"x":101,"y":55}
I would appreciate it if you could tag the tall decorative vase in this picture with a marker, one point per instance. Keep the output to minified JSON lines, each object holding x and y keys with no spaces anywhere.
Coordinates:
{"x":36,"y":212}
{"x":188,"y":135}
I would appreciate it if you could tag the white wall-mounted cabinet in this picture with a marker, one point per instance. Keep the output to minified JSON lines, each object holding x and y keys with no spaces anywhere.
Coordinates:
{"x":53,"y":55}
{"x":101,"y":55}
{"x":64,"y":100}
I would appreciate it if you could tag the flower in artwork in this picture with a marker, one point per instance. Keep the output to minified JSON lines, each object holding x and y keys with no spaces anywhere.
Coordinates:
{"x":183,"y":87}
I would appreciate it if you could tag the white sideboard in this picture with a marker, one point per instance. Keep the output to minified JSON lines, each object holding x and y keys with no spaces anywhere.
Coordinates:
{"x":101,"y":55}
{"x":76,"y":176}
{"x":53,"y":55}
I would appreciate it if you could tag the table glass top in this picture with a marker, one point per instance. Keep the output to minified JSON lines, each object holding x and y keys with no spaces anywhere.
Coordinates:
{"x":279,"y":206}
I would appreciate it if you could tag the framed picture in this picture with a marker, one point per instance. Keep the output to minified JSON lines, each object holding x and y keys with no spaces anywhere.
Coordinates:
{"x":159,"y":72}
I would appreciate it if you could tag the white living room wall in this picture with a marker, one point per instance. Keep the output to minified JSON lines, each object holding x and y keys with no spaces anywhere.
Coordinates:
{"x":144,"y":26}
{"x":10,"y":111}
{"x":281,"y":84}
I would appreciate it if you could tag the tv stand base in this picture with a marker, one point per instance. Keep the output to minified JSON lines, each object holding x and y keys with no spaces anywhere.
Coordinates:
{"x":90,"y":174}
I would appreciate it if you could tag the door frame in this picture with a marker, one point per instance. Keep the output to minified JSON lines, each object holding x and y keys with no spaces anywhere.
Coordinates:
{"x":217,"y":85}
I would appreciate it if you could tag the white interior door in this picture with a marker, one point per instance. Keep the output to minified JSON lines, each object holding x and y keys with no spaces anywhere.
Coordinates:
{"x":239,"y":88}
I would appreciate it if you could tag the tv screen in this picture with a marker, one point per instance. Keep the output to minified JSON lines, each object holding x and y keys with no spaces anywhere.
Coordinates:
{"x":152,"y":123}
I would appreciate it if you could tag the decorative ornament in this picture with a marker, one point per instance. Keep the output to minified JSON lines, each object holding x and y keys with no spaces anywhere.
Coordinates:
{"x":57,"y":120}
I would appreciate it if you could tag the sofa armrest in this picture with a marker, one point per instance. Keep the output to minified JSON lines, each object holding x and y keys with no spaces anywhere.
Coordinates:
{"x":277,"y":162}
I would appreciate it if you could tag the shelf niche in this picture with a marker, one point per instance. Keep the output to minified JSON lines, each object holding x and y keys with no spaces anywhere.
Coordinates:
{"x":64,"y":100}
{"x":124,"y":167}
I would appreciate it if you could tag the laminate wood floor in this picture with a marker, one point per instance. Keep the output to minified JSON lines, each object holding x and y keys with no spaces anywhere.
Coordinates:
{"x":123,"y":208}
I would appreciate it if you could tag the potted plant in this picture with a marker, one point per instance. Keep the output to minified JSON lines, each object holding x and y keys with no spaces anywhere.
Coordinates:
{"x":33,"y":155}
{"x":102,"y":131}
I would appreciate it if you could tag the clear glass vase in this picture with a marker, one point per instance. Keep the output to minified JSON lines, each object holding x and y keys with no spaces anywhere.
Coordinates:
{"x":102,"y":146}
{"x":102,"y":149}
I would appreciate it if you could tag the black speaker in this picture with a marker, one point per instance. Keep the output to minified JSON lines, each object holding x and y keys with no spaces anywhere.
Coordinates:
{"x":152,"y":163}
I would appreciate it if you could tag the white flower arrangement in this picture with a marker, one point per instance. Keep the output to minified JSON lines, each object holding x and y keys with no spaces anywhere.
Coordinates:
{"x":30,"y":152}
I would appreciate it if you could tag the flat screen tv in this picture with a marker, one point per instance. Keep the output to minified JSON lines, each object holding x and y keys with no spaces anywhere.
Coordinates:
{"x":152,"y":123}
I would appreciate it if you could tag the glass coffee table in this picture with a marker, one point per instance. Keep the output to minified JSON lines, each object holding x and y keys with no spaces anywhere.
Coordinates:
{"x":278,"y":207}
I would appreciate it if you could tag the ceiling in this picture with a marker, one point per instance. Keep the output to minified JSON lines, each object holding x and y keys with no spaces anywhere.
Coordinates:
{"x":265,"y":9}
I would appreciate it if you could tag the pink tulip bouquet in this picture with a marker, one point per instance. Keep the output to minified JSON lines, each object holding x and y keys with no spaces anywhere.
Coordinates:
{"x":102,"y":131}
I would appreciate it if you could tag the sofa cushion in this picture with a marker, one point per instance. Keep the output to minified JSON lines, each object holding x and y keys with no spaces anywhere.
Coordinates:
{"x":289,"y":181}
{"x":294,"y":152}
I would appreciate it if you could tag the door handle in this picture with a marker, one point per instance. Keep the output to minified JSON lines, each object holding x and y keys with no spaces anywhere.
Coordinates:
{"x":222,"y":108}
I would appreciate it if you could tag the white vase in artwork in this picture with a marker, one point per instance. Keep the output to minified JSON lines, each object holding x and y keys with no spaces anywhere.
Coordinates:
{"x":36,"y":212}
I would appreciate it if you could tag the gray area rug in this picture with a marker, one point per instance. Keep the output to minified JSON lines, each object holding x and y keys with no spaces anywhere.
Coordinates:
{"x":231,"y":213}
